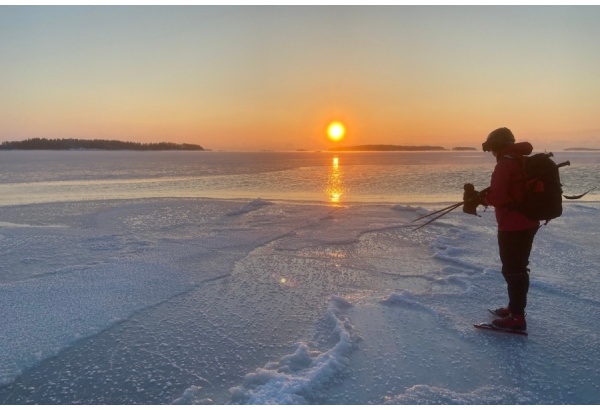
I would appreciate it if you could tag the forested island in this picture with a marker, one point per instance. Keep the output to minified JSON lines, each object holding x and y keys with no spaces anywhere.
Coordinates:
{"x":389,"y":148}
{"x":464,"y":149}
{"x":79,"y":144}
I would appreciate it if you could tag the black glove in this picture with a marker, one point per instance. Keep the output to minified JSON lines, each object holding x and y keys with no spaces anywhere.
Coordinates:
{"x":472,"y":199}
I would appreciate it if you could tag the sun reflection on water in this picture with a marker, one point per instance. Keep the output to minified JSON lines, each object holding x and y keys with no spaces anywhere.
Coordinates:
{"x":335,"y":188}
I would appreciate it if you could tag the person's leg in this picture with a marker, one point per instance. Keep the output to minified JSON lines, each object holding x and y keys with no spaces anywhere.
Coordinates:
{"x":515,"y":248}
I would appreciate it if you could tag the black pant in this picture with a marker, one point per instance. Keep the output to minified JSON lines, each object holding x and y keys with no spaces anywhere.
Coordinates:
{"x":515,"y":247}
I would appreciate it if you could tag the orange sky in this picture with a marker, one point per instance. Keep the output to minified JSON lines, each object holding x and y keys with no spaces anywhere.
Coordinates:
{"x":251,"y":78}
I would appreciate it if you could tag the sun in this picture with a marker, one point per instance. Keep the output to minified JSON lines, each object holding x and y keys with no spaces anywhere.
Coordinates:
{"x":336,"y":131}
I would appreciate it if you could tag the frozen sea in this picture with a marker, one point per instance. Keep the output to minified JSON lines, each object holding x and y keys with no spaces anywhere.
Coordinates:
{"x":283,"y":278}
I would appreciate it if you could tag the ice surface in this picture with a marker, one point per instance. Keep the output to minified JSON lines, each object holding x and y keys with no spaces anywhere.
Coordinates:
{"x":214,"y":302}
{"x":301,"y":377}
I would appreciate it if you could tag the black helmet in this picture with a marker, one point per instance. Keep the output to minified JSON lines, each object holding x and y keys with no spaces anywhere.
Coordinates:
{"x":498,"y":139}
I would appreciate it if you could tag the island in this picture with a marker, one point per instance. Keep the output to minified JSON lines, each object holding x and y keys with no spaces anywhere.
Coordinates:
{"x":464,"y":149}
{"x":389,"y":148}
{"x":582,"y":149}
{"x":97,"y":144}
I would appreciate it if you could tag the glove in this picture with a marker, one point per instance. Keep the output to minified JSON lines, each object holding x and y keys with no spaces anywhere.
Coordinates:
{"x":472,"y":199}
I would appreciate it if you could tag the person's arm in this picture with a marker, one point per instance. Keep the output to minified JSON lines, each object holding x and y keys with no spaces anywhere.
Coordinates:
{"x":499,"y":193}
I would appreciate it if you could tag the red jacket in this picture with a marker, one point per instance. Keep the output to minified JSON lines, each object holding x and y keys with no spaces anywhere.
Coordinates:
{"x":507,"y":186}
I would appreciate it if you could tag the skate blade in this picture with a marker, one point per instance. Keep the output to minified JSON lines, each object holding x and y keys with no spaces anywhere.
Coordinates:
{"x":488,"y":326}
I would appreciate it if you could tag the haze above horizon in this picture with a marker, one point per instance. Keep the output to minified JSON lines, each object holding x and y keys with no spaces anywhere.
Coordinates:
{"x":275,"y":77}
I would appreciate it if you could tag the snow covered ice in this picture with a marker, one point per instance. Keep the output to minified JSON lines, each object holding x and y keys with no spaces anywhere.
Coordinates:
{"x":198,"y":301}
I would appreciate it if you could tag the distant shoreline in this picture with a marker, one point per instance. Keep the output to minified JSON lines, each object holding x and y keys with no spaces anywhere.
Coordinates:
{"x":582,"y":149}
{"x":399,"y":148}
{"x":104,"y":145}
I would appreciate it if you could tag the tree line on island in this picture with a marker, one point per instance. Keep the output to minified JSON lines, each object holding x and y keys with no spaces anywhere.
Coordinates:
{"x":399,"y":148}
{"x":97,"y":144}
{"x":114,"y":145}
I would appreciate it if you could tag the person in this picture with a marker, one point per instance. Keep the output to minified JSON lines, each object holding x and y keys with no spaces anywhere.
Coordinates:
{"x":515,"y":231}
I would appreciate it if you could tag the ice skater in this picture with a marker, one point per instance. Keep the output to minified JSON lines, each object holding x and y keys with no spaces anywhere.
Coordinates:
{"x":515,"y":231}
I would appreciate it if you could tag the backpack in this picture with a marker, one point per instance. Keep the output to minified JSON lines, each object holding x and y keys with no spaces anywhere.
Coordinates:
{"x":543,"y":191}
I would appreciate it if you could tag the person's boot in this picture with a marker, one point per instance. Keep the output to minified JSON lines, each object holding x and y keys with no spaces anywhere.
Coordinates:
{"x":511,"y":322}
{"x":501,"y":312}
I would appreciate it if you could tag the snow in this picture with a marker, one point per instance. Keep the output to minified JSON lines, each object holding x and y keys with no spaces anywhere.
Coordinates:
{"x":299,"y":378}
{"x":200,"y":301}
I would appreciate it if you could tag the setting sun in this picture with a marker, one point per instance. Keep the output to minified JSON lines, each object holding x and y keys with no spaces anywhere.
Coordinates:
{"x":336,"y":131}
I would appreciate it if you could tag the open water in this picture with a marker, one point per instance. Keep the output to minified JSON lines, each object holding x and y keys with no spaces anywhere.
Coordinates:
{"x":347,"y":177}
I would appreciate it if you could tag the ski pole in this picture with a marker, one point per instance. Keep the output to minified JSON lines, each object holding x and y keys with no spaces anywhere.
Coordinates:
{"x":438,"y":211}
{"x":452,"y":208}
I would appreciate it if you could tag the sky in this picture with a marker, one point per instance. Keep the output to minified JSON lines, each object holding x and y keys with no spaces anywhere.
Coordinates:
{"x":274,"y":77}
